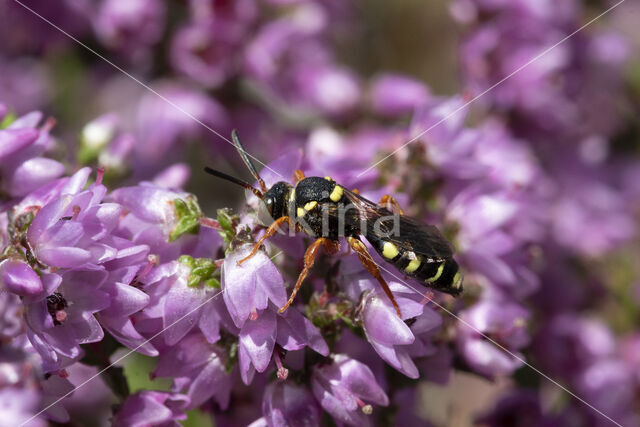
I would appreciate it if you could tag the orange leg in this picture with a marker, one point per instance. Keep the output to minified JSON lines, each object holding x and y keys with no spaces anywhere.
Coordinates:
{"x":310,"y":255}
{"x":273,"y":229}
{"x":372,"y":268}
{"x":390,"y":203}
{"x":298,"y":175}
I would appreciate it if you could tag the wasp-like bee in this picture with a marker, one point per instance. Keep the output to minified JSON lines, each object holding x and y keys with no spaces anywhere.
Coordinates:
{"x":325,"y":210}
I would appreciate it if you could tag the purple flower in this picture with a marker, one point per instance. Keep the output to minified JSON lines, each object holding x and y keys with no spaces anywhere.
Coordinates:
{"x":344,"y":386}
{"x":163,"y":129}
{"x":198,"y":369}
{"x":568,"y":344}
{"x":131,"y":27}
{"x":68,"y":231}
{"x":152,"y":408}
{"x":20,"y":397}
{"x":21,"y":170}
{"x":388,"y":334}
{"x":19,"y":278}
{"x":125,"y":301}
{"x":284,"y":404}
{"x":62,"y":318}
{"x":257,"y":338}
{"x":20,"y":406}
{"x":204,"y":50}
{"x":250,"y":286}
{"x":180,"y":300}
{"x":503,"y":322}
{"x":11,"y":320}
{"x":395,"y":94}
{"x":490,"y":240}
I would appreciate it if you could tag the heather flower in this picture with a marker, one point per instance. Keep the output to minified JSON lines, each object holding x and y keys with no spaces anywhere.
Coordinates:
{"x":250,"y":286}
{"x":19,"y":406}
{"x":392,"y":341}
{"x":21,"y":170}
{"x":131,"y":28}
{"x":166,"y":220}
{"x":490,"y":239}
{"x":19,"y":389}
{"x":202,"y":50}
{"x":501,"y":321}
{"x":258,"y":336}
{"x":288,"y":63}
{"x":199,"y":369}
{"x":162,"y":129}
{"x":344,"y":387}
{"x":19,"y":278}
{"x":63,"y":317}
{"x":66,"y":232}
{"x":285,"y":404}
{"x":568,"y":344}
{"x":180,"y":294}
{"x":125,"y":301}
{"x":11,"y":321}
{"x":588,"y":215}
{"x":152,"y":407}
{"x":396,"y":94}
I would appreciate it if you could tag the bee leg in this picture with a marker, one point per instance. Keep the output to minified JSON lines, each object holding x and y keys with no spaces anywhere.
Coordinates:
{"x":273,"y":228}
{"x":298,"y":175}
{"x":310,"y":255}
{"x":387,"y":201}
{"x":366,"y":260}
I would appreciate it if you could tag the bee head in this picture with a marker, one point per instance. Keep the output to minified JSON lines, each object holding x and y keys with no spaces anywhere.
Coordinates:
{"x":274,"y":203}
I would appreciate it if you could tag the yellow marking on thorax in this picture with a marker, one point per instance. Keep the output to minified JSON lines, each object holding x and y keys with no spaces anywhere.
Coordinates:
{"x":389,"y":250}
{"x":336,"y":194}
{"x":437,"y":275}
{"x":307,"y":207}
{"x":328,"y":178}
{"x":413,"y":266}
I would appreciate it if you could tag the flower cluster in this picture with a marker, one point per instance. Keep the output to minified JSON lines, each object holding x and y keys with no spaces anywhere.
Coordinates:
{"x":116,"y":258}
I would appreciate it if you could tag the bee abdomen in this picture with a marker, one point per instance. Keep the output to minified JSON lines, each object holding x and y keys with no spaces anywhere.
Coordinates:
{"x":441,"y":273}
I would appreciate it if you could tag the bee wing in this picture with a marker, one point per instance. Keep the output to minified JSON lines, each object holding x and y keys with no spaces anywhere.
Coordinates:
{"x":403,"y":231}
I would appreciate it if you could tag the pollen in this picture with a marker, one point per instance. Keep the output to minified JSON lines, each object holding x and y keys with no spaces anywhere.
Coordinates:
{"x":437,"y":275}
{"x":389,"y":250}
{"x":413,"y":266}
{"x":336,"y":194}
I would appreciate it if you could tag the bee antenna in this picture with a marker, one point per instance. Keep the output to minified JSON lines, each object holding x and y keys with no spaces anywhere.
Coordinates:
{"x":237,"y":181}
{"x":247,"y":160}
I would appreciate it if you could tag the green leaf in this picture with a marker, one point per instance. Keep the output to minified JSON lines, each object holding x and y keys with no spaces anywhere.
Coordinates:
{"x":198,"y":418}
{"x":137,"y":370}
{"x":9,"y":118}
{"x":213,"y":283}
{"x":226,"y":219}
{"x":188,"y":213}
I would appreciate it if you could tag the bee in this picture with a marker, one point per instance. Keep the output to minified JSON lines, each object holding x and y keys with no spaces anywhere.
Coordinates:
{"x":326,"y":211}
